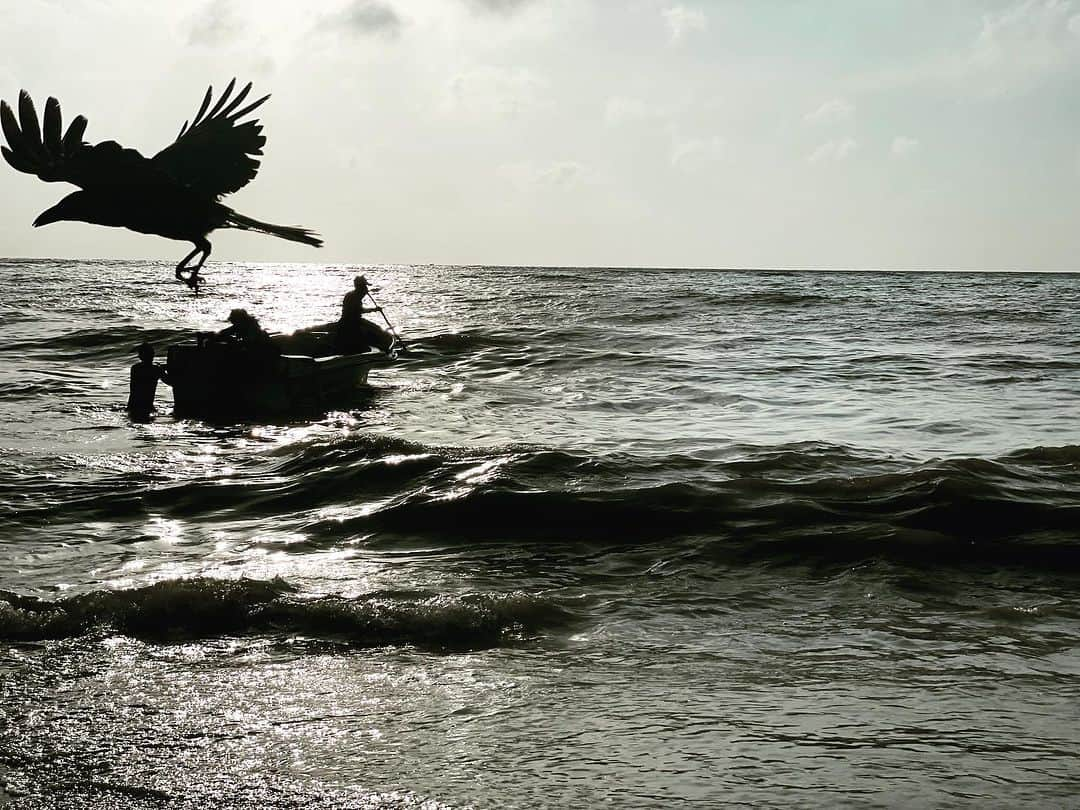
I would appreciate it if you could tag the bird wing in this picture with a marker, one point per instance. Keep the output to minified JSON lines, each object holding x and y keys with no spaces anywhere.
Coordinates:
{"x":213,"y":155}
{"x":42,"y":150}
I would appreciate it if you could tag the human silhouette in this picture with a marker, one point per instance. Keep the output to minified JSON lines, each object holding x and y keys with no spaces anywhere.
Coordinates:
{"x":174,"y":194}
{"x":144,"y":379}
{"x":356,"y":333}
{"x":243,"y":328}
{"x":245,"y":333}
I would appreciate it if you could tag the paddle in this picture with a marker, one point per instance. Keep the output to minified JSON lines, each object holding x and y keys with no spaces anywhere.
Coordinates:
{"x":401,"y":347}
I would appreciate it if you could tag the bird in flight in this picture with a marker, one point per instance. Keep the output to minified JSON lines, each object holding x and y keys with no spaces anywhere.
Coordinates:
{"x":175,"y":194}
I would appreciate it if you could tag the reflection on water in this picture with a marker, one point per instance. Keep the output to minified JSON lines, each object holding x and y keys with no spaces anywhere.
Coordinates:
{"x":624,"y":536}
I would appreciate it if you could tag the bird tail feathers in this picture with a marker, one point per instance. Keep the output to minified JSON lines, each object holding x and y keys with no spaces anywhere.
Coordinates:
{"x":290,"y":232}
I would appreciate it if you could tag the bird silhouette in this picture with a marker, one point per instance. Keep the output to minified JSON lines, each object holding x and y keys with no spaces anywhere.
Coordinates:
{"x":175,"y":194}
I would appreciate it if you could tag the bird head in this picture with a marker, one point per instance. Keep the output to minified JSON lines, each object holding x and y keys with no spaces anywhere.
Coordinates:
{"x":75,"y":207}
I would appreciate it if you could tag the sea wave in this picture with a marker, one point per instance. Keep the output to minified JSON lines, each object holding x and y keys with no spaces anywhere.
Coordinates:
{"x":808,"y":498}
{"x":100,"y":344}
{"x":34,"y":388}
{"x":769,"y":298}
{"x":454,"y":343}
{"x":180,"y":609}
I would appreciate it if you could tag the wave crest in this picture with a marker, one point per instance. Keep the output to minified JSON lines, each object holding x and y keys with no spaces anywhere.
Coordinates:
{"x":201,"y":607}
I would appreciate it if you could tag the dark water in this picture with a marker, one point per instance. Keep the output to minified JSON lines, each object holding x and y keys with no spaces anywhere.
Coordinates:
{"x":607,"y":537}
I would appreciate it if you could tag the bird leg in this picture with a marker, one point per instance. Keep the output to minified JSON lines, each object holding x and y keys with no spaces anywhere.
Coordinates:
{"x":180,"y":268}
{"x":193,"y":278}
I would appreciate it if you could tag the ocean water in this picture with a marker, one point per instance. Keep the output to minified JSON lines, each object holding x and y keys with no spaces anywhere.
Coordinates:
{"x":614,"y":537}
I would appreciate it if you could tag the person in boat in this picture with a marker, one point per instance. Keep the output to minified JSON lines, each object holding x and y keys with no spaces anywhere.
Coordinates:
{"x":245,"y":330}
{"x":355,"y":333}
{"x":144,"y":379}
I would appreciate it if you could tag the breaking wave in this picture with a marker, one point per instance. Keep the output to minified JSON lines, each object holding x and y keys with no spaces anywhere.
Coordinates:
{"x":180,"y":609}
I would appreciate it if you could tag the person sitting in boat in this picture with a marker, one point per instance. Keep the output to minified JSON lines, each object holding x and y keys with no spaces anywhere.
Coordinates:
{"x":355,"y":333}
{"x":245,"y":331}
{"x":144,"y":379}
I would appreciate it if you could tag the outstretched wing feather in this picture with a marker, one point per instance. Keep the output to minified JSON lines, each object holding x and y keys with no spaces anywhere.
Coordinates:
{"x":204,"y":105}
{"x":69,"y":159}
{"x":28,"y":122}
{"x":213,"y":155}
{"x":10,"y":127}
{"x":17,"y":163}
{"x":236,"y":102}
{"x":73,"y":138}
{"x":53,"y":127}
{"x":222,"y":99}
{"x":249,"y":108}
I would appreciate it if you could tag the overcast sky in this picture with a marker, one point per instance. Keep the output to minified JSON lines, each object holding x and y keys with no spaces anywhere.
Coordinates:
{"x":773,"y":133}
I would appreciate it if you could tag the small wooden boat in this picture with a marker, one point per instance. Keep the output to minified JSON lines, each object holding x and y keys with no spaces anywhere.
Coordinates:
{"x":228,"y":381}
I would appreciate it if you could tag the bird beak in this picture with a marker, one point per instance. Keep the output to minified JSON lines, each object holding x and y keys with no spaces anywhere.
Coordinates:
{"x":49,"y":216}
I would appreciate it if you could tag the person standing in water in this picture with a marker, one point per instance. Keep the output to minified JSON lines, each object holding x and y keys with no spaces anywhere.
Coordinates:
{"x":144,"y":379}
{"x":355,"y":332}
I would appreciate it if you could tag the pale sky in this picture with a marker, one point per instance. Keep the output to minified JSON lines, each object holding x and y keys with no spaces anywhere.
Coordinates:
{"x":764,"y":133}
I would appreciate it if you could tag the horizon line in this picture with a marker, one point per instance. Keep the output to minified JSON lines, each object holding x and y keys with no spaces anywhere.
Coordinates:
{"x":492,"y":266}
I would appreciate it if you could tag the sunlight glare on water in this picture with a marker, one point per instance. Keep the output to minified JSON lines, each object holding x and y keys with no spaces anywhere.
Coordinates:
{"x":600,"y":536}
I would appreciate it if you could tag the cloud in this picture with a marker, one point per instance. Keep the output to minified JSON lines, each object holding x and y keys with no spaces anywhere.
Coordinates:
{"x":833,"y":111}
{"x":498,"y":6}
{"x":834,"y":151}
{"x":557,"y":175}
{"x":623,"y":110}
{"x":1034,"y":31}
{"x":263,"y":66}
{"x":902,"y":146}
{"x":682,"y":21}
{"x":1014,"y":48}
{"x":693,"y":153}
{"x":216,"y":24}
{"x":364,"y":18}
{"x":501,"y":92}
{"x":1024,"y":42}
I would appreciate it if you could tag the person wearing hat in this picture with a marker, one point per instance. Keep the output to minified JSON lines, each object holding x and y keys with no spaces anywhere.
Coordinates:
{"x":356,"y":333}
{"x":144,"y":379}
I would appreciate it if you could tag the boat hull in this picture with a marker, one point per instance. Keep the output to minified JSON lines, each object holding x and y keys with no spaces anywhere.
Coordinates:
{"x":222,"y":382}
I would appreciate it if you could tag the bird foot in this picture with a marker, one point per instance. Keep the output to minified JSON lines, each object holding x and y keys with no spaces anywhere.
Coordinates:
{"x":193,"y":282}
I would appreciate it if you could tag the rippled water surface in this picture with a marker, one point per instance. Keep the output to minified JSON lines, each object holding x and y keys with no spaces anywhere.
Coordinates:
{"x":641,"y":538}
